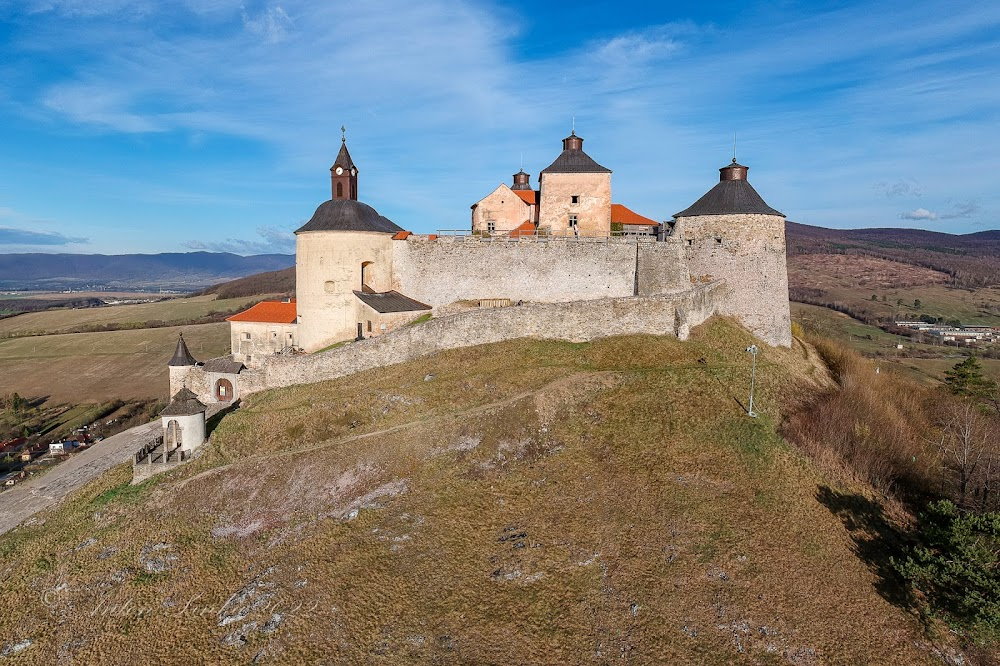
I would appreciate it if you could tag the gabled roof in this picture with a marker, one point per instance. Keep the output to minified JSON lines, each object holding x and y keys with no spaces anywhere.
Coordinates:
{"x":390,"y":301}
{"x":343,"y":158}
{"x":623,"y":215}
{"x":272,"y":312}
{"x":182,"y":356}
{"x":348,"y":215}
{"x":184,"y":403}
{"x":528,"y":196}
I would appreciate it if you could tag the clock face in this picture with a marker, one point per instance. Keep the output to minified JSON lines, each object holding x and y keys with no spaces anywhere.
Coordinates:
{"x":340,"y":170}
{"x":354,"y":172}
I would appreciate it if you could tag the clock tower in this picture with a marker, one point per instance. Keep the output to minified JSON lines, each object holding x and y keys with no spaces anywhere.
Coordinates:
{"x":343,"y":173}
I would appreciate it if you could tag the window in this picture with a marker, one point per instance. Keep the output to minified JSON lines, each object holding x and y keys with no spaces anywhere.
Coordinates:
{"x":369,"y":326}
{"x":329,"y":286}
{"x":572,"y":220}
{"x":340,"y":190}
{"x":246,"y":336}
{"x":491,"y":227}
{"x":575,"y":199}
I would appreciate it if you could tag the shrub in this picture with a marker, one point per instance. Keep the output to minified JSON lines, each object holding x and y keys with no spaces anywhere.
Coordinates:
{"x":956,"y":565}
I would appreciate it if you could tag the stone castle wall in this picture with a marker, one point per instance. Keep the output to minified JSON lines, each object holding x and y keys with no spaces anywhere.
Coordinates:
{"x":747,"y":251}
{"x":577,"y":321}
{"x":451,"y":269}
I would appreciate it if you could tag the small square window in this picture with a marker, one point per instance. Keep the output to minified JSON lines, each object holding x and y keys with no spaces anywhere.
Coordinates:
{"x":246,"y":336}
{"x":575,"y":199}
{"x":491,"y":227}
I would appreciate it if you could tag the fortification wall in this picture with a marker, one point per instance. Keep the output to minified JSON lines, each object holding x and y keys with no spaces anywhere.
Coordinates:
{"x":747,"y":251}
{"x":577,"y":321}
{"x":452,"y":269}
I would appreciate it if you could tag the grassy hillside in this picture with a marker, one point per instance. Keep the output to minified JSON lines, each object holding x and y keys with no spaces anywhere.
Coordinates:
{"x":273,"y":282}
{"x":95,"y":367}
{"x":527,"y":502}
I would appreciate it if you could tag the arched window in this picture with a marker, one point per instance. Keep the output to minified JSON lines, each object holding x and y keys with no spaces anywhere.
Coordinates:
{"x":224,"y":390}
{"x":340,"y":190}
{"x":173,"y":436}
{"x":366,"y":276}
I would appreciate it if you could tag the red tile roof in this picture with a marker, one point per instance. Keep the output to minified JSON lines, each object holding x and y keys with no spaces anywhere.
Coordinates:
{"x":269,"y":312}
{"x":528,"y":196}
{"x":525,"y":229}
{"x":622,"y":215}
{"x":402,"y":235}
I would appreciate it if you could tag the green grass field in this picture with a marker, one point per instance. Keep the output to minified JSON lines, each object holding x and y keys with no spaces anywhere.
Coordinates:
{"x":173,"y":310}
{"x":95,"y":367}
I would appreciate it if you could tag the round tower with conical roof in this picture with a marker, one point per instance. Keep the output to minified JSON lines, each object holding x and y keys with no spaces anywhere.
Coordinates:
{"x":345,"y":247}
{"x":180,"y":364}
{"x":732,"y":234}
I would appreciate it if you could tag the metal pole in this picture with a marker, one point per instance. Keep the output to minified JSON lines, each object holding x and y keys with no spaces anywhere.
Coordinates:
{"x":752,"y":349}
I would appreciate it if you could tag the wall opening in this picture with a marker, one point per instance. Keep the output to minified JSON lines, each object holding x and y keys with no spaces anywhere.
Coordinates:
{"x":224,"y":390}
{"x":366,"y":276}
{"x":340,"y":190}
{"x":172,"y":437}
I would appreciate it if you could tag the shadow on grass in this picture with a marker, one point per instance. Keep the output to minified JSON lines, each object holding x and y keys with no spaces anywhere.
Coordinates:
{"x":876,"y":541}
{"x":213,"y":421}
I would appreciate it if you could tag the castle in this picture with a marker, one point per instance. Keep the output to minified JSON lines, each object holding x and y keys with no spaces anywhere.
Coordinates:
{"x":562,"y":261}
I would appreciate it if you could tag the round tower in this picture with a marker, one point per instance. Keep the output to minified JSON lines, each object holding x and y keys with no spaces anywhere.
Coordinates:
{"x":180,"y":365}
{"x":731,"y":234}
{"x":183,"y":422}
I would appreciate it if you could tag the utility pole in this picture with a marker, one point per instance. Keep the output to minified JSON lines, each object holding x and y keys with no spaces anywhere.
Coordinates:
{"x":752,"y":350}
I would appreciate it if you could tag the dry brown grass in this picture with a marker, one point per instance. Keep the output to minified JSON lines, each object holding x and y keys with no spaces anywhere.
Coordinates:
{"x":533,"y":502}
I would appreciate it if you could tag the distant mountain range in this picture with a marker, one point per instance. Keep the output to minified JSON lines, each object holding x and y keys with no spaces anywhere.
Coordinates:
{"x":176,"y":271}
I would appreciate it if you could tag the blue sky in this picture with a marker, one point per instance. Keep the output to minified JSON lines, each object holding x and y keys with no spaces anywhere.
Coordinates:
{"x":153,"y":126}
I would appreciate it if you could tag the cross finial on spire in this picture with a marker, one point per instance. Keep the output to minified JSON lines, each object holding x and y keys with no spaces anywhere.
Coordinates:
{"x":343,"y":134}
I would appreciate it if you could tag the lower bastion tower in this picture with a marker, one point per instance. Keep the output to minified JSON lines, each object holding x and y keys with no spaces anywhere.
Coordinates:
{"x":731,"y":234}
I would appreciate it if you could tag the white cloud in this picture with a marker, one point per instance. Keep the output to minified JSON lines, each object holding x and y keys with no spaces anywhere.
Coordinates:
{"x":920,"y":214}
{"x":959,"y":210}
{"x":272,"y":24}
{"x":275,"y":241}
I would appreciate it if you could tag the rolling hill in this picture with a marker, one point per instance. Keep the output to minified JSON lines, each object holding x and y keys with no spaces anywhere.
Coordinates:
{"x":529,"y":502}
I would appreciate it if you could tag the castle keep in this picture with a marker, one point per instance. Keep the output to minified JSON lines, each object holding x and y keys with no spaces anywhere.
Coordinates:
{"x":560,"y":262}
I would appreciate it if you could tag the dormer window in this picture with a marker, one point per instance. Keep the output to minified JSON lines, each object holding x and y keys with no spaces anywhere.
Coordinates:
{"x":575,"y":199}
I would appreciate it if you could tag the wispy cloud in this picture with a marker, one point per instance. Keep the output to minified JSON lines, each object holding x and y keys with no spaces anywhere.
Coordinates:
{"x":275,"y":241}
{"x":272,"y":24}
{"x":14,"y":236}
{"x":958,"y":211}
{"x":898,"y":189}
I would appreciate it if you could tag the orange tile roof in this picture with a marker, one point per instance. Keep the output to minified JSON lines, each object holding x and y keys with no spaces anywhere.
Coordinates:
{"x":402,"y":235}
{"x":526,"y":228}
{"x":622,"y":215}
{"x":528,"y":196}
{"x":269,"y":312}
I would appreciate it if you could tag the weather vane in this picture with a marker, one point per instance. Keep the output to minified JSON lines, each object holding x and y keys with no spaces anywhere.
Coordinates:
{"x":343,"y":134}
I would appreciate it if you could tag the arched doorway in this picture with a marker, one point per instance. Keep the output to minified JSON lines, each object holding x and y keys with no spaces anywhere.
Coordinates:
{"x":224,"y":390}
{"x":366,"y":277}
{"x":172,"y":438}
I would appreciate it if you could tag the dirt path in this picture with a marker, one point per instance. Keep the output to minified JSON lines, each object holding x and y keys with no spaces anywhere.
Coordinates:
{"x":36,"y":494}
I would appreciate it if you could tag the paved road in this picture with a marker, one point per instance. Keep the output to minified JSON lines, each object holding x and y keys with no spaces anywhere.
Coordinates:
{"x":33,"y":495}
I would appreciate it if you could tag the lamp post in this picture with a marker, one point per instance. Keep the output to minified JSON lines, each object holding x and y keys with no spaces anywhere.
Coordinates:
{"x":752,"y":350}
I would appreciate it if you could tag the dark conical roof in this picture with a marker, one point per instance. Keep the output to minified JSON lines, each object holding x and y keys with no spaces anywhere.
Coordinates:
{"x":348,"y":215}
{"x":184,"y":403}
{"x":181,"y":355}
{"x":732,"y":195}
{"x":343,"y":158}
{"x":574,"y":160}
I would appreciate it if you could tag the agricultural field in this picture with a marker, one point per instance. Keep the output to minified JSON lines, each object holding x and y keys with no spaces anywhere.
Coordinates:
{"x":95,"y":367}
{"x":121,"y":316}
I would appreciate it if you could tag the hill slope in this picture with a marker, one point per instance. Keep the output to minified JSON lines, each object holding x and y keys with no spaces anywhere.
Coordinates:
{"x":527,"y":502}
